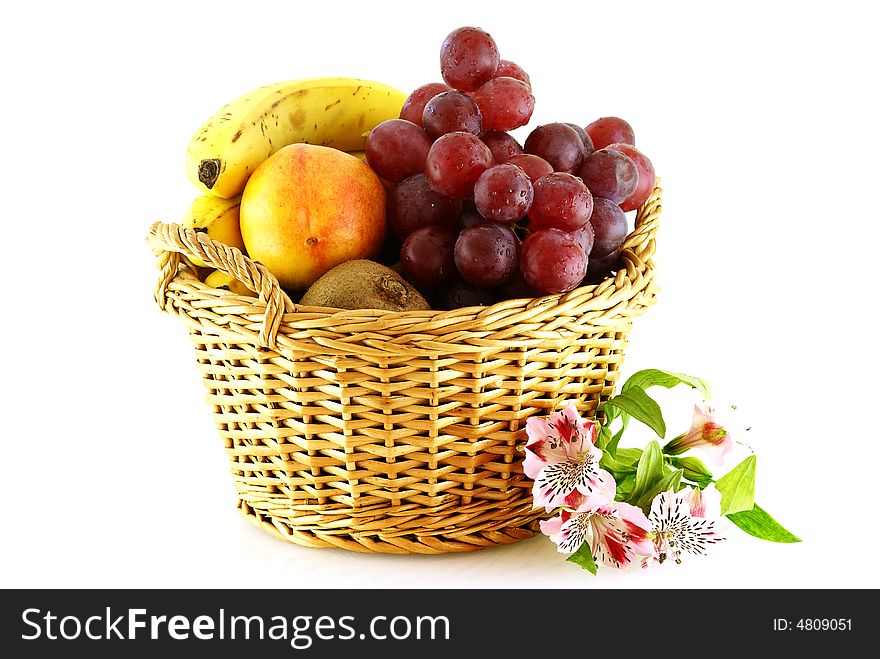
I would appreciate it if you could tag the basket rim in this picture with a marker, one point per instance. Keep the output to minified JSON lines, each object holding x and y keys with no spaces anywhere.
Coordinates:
{"x":176,"y":247}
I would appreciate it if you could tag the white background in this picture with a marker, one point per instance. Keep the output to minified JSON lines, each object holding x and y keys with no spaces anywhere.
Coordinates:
{"x":760,"y":118}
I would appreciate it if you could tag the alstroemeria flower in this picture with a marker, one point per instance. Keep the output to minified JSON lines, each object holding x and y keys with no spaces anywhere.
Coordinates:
{"x":686,"y":520}
{"x":563,"y":460}
{"x":618,"y":533}
{"x":706,"y":433}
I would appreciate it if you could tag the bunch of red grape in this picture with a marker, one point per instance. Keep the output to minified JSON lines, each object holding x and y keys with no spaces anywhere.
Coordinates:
{"x":483,"y":218}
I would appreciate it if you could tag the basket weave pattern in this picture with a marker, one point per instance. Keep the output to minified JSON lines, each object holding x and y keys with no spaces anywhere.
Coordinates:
{"x":394,"y":432}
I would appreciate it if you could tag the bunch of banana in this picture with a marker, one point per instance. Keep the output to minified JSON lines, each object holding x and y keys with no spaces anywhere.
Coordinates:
{"x":335,"y":112}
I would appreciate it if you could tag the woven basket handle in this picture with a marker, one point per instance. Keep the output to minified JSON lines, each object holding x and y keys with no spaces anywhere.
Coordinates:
{"x":173,"y":241}
{"x":642,"y":241}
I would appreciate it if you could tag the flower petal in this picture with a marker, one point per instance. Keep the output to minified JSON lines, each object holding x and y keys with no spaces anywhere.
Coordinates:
{"x":705,"y":503}
{"x":581,"y":433}
{"x":598,"y":491}
{"x":551,"y":526}
{"x":706,"y":433}
{"x":555,"y":484}
{"x":576,"y":501}
{"x":569,"y":532}
{"x":676,"y":529}
{"x":537,"y":429}
{"x":533,"y":463}
{"x":668,"y":506}
{"x":715,"y":452}
{"x":632,"y":515}
{"x":574,"y":532}
{"x":544,"y":442}
{"x":621,"y":542}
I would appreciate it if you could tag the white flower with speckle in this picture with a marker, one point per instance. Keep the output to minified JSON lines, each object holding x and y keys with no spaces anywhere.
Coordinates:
{"x":563,"y":460}
{"x":685,"y":521}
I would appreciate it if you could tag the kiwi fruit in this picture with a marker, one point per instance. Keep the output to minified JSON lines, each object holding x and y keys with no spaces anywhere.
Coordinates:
{"x":363,"y":284}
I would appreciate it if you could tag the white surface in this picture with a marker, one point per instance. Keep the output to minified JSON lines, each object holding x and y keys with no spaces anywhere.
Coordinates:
{"x":760,"y":119}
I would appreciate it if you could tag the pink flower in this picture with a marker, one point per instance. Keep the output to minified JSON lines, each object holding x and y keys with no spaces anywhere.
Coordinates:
{"x":563,"y":460}
{"x":705,"y":503}
{"x":706,"y":434}
{"x":618,"y":533}
{"x":687,"y":520}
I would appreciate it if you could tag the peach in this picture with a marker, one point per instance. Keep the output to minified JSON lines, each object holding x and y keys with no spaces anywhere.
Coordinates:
{"x":308,"y":208}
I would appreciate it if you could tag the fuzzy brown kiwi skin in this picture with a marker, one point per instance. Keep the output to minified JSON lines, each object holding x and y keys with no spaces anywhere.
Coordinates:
{"x":363,"y":284}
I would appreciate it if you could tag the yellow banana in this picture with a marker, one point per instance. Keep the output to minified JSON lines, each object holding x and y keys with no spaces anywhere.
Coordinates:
{"x":335,"y":112}
{"x":219,"y":279}
{"x":218,"y":218}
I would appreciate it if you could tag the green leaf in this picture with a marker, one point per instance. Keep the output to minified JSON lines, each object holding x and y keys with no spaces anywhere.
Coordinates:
{"x":610,"y":413}
{"x":616,"y":466}
{"x":643,"y":380}
{"x":611,"y":447}
{"x":623,"y":462}
{"x":737,"y":487}
{"x":603,"y":437}
{"x":639,"y":405}
{"x":694,"y":470}
{"x":629,"y":456}
{"x":668,"y":482}
{"x":584,"y":557}
{"x":625,"y":487}
{"x":655,"y":377}
{"x":649,"y":471}
{"x":759,"y":523}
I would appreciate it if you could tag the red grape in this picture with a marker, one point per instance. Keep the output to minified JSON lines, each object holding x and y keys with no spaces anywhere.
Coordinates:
{"x":455,"y":162}
{"x":561,"y":201}
{"x":502,"y":145}
{"x":449,"y":112}
{"x":508,"y":69}
{"x":534,"y":166}
{"x":412,"y":204}
{"x":610,"y":130}
{"x":646,"y":176}
{"x":516,"y":287}
{"x":552,"y":261}
{"x":558,"y":144}
{"x":468,"y":58}
{"x":396,"y":149}
{"x":585,"y":236}
{"x":469,"y":218}
{"x":506,"y":103}
{"x":389,"y":253}
{"x":503,"y":193}
{"x":486,"y":254}
{"x":599,"y":268}
{"x":588,"y":143}
{"x":427,"y":256}
{"x":609,"y":227}
{"x":462,"y":294}
{"x":414,"y":105}
{"x":610,"y":174}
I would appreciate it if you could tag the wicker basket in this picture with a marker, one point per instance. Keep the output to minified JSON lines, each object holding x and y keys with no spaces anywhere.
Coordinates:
{"x":394,"y":432}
